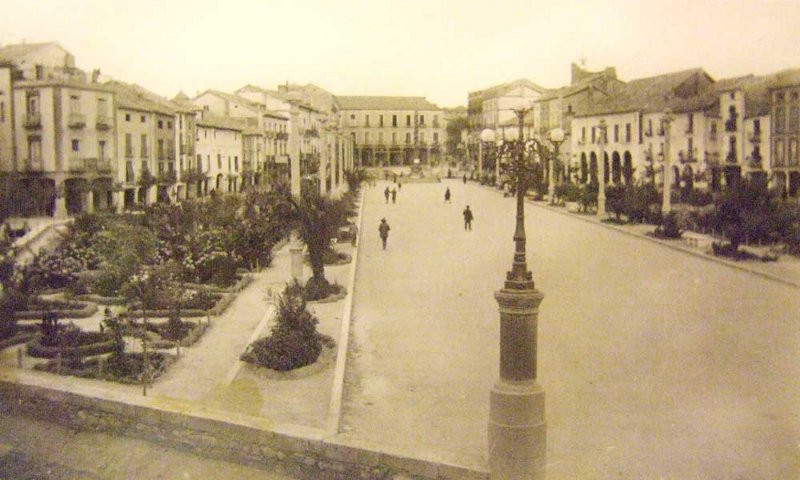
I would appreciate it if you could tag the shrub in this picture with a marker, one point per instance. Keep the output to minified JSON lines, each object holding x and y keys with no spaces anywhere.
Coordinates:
{"x":294,"y":341}
{"x":568,"y":192}
{"x":669,"y":227}
{"x":588,"y":196}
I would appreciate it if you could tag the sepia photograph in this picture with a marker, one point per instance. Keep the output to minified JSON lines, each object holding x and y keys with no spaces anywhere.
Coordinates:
{"x":396,"y":240}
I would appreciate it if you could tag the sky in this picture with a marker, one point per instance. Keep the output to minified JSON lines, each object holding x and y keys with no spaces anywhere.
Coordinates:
{"x":437,"y":49}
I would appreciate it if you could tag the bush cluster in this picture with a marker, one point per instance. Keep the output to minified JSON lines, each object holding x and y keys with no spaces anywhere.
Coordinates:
{"x":293,"y":341}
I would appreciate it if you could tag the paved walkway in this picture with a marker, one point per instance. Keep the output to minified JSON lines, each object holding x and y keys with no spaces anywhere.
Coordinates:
{"x":656,"y":364}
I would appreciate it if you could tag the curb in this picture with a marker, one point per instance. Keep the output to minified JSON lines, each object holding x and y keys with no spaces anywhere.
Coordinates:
{"x":337,"y":393}
{"x":679,"y":248}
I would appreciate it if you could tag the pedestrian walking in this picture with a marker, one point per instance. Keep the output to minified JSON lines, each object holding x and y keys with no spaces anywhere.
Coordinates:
{"x":394,"y":195}
{"x":468,"y":218}
{"x":447,"y":195}
{"x":386,"y":194}
{"x":465,"y":179}
{"x":399,"y":186}
{"x":383,"y":230}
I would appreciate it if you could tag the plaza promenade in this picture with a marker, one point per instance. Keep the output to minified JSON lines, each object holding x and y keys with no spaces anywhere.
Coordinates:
{"x":656,"y":364}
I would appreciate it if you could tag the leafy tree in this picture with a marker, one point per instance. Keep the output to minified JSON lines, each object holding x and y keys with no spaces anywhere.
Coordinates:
{"x":743,"y":211}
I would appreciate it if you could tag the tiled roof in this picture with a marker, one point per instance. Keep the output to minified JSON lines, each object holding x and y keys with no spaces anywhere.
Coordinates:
{"x":503,"y":88}
{"x":785,"y":78}
{"x":238,"y":99}
{"x":655,"y":94}
{"x":9,"y":53}
{"x":217,"y":121}
{"x":134,"y":97}
{"x":385,"y":103}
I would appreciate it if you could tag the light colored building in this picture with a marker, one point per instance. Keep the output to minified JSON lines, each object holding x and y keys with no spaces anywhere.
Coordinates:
{"x":785,"y":130}
{"x":634,"y":114}
{"x":63,"y":132}
{"x":219,"y":149}
{"x":389,"y":131}
{"x":146,"y":140}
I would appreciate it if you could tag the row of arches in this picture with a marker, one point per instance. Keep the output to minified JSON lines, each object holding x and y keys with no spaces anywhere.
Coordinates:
{"x":619,"y":170}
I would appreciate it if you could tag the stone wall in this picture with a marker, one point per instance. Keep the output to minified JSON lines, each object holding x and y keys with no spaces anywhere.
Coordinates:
{"x":244,"y":440}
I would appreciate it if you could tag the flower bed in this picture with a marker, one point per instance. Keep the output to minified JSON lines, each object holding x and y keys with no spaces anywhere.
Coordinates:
{"x":25,"y":333}
{"x":90,"y":343}
{"x":127,"y":368}
{"x":100,"y":299}
{"x":74,"y":309}
{"x":333,"y":297}
{"x":193,"y":333}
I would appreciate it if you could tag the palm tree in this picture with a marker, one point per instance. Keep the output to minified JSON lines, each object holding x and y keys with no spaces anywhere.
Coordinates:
{"x":317,"y":220}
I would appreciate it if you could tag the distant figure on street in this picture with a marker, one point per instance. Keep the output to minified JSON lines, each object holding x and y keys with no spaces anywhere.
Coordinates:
{"x":468,"y":218}
{"x":386,"y":194}
{"x":383,"y":230}
{"x":447,"y":195}
{"x":399,"y":185}
{"x":465,"y":179}
{"x":394,"y":195}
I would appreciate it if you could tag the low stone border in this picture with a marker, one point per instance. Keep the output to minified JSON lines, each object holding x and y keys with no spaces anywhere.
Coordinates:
{"x":326,"y":358}
{"x":190,"y":339}
{"x":87,"y":310}
{"x":297,"y":451}
{"x":331,"y":298}
{"x":37,"y":350}
{"x":16,"y":340}
{"x":99,"y":299}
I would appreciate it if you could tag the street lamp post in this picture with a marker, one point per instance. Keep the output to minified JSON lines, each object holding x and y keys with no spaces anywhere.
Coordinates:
{"x":487,"y":135}
{"x":556,"y":137}
{"x":601,"y":176}
{"x":517,"y":430}
{"x":666,"y":203}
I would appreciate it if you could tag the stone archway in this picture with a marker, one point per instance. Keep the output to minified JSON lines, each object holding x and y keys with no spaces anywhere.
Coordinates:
{"x":606,"y":169}
{"x":592,"y":168}
{"x":676,"y":176}
{"x":616,"y":168}
{"x":627,"y":168}
{"x":74,"y":191}
{"x":688,"y":178}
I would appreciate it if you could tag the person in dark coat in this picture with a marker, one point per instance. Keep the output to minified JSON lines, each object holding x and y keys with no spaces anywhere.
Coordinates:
{"x":465,"y":179}
{"x":383,"y":230}
{"x":394,"y":195}
{"x":468,"y":218}
{"x":386,"y":194}
{"x":447,"y":195}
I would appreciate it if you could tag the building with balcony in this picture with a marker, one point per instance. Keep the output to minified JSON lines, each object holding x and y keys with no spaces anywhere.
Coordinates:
{"x":391,"y":131}
{"x":63,"y":144}
{"x":146,"y":143}
{"x":635,"y":142}
{"x":220,"y":151}
{"x":784,"y":94}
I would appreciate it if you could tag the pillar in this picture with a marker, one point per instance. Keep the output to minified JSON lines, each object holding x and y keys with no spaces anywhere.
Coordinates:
{"x":601,"y":173}
{"x":294,"y":149}
{"x":61,"y":200}
{"x":88,"y":205}
{"x":517,"y":429}
{"x":297,"y":262}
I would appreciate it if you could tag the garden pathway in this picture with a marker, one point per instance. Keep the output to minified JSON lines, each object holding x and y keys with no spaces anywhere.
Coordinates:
{"x":203,"y":366}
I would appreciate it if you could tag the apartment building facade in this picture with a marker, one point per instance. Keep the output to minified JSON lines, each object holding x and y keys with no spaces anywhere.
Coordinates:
{"x":392,"y":131}
{"x":219,"y":149}
{"x":784,"y":127}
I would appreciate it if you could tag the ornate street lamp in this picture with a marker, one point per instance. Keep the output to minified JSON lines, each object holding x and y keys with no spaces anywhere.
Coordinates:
{"x":556,"y":137}
{"x":601,"y":176}
{"x":666,"y":203}
{"x":517,"y":430}
{"x":487,"y":135}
